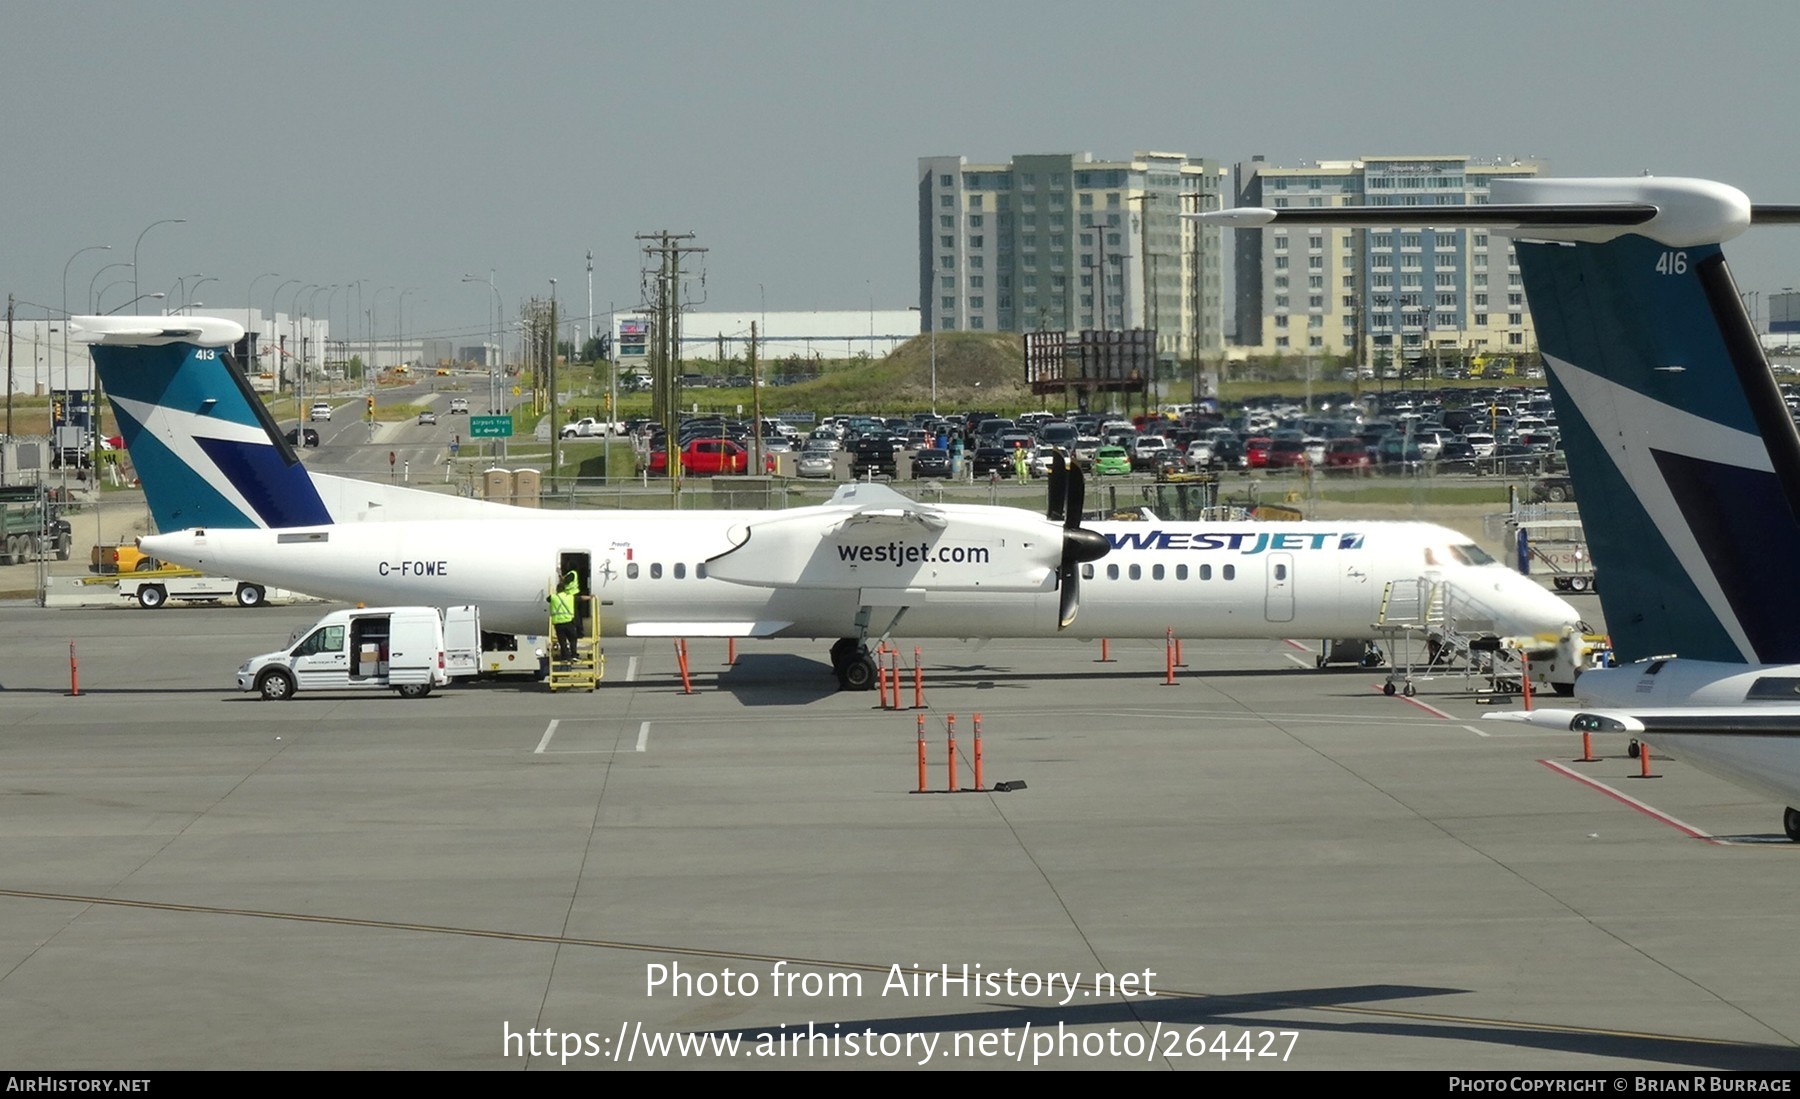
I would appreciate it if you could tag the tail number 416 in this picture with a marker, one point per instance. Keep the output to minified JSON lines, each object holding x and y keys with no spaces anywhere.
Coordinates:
{"x":1671,"y":263}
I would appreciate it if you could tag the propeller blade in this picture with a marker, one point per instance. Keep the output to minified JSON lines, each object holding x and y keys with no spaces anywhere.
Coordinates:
{"x":1059,"y":476}
{"x":1077,"y":492}
{"x":1070,"y":601}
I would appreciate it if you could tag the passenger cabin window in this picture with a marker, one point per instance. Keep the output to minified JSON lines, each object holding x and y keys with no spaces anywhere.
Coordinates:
{"x":1229,"y":572}
{"x":1112,"y":572}
{"x":1087,"y":572}
{"x":1206,"y":572}
{"x":680,"y":571}
{"x":1181,"y":572}
{"x":700,"y":571}
{"x":1280,"y":572}
{"x":656,"y":570}
{"x":631,"y":571}
{"x":1156,"y":572}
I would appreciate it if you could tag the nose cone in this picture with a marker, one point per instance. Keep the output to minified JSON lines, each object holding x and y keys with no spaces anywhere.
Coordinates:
{"x":1534,"y":609}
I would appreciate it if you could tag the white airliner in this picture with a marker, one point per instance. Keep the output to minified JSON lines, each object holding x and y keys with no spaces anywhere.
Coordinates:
{"x":233,"y":499}
{"x":1681,"y":451}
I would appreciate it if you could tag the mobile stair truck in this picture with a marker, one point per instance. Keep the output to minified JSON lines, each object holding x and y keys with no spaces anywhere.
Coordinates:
{"x":410,"y":650}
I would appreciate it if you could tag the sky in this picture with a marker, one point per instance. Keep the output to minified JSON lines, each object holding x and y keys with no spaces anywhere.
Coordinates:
{"x":404,"y":144}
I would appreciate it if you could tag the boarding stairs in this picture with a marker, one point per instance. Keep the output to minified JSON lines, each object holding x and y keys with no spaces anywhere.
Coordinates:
{"x":1433,"y":628}
{"x":585,"y":672}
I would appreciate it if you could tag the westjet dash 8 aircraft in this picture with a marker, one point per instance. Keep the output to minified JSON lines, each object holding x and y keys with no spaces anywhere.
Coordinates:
{"x":1681,"y":451}
{"x":232,"y":498}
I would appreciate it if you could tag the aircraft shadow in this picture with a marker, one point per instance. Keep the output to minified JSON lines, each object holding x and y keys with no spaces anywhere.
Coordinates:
{"x":1263,"y":1011}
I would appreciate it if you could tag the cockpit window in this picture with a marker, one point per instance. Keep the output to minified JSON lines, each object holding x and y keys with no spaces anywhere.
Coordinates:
{"x":1467,"y":553}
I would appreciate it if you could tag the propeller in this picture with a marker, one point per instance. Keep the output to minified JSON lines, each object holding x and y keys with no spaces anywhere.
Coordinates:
{"x":1068,"y":490}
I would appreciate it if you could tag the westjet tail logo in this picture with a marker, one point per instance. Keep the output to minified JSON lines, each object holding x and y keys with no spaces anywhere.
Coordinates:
{"x":1243,"y":542}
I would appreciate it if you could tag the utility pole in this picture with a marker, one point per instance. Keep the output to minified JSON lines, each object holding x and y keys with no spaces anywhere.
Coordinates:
{"x":665,"y":359}
{"x":756,"y":436}
{"x":555,"y":427}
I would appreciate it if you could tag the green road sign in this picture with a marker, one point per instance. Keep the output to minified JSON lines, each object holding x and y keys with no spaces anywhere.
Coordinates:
{"x":490,"y":427}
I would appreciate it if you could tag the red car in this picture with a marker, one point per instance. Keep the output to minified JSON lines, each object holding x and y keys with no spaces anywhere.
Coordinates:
{"x":1348,"y":456}
{"x":1256,"y":451}
{"x":1287,"y":454}
{"x":709,"y":457}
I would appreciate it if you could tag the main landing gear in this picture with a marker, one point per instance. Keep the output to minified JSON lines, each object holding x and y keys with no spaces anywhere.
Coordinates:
{"x":853,"y":664}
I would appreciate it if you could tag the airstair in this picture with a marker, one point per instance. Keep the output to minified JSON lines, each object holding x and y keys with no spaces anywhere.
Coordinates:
{"x":1434,"y":629}
{"x":589,"y":666}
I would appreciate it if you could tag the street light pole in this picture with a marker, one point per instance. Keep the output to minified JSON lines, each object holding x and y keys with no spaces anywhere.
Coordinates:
{"x":134,"y":251}
{"x":65,"y":313}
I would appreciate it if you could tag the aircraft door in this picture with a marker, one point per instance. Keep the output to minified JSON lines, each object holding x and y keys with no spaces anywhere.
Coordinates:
{"x":1278,"y":603}
{"x":580,"y":563}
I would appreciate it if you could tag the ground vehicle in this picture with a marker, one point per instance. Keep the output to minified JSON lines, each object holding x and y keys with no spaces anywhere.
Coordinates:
{"x":991,"y":459}
{"x":1256,"y":451}
{"x":302,"y":436}
{"x":120,"y":557}
{"x":706,"y":457}
{"x":29,"y":525}
{"x":1147,"y":451}
{"x":1347,"y":455}
{"x":406,"y":649}
{"x":1287,"y":453}
{"x":817,"y":462}
{"x":873,"y":454}
{"x":459,"y":406}
{"x":931,"y":462}
{"x":153,"y":588}
{"x":1555,"y":489}
{"x":320,"y":411}
{"x":584,"y":427}
{"x":427,"y":416}
{"x":1111,"y":460}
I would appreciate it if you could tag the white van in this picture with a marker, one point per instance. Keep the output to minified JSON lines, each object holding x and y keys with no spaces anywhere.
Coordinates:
{"x":408,"y":649}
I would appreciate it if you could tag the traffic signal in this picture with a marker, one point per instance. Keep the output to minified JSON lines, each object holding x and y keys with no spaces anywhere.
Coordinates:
{"x":371,"y":400}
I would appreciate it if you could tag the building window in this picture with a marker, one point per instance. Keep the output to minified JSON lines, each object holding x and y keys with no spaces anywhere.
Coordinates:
{"x":946,"y":200}
{"x":947,"y":282}
{"x":976,"y":241}
{"x":947,"y":303}
{"x":944,"y":181}
{"x":946,"y":242}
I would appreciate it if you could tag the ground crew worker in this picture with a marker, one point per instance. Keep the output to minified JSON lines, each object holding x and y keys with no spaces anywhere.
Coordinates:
{"x":1022,"y":465}
{"x":562,"y":615}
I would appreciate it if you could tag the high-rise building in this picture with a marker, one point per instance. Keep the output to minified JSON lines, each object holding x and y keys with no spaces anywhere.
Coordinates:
{"x":1390,"y":295}
{"x":1064,"y":242}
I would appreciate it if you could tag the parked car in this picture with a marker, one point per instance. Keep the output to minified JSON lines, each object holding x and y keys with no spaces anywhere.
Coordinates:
{"x":706,"y":457}
{"x":1287,"y":453}
{"x":1256,"y":451}
{"x":1348,"y":455}
{"x":991,"y":459}
{"x":1147,"y":451}
{"x":931,"y":462}
{"x":1554,"y":489}
{"x":816,"y":462}
{"x":1111,"y":460}
{"x":299,"y":436}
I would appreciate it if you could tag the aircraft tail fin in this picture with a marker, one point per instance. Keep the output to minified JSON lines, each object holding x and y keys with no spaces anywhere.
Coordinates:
{"x":1683,"y":456}
{"x":206,"y":450}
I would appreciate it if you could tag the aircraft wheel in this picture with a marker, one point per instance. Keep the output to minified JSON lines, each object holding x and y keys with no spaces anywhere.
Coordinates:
{"x":859,"y":674}
{"x":250,"y":595}
{"x":1632,"y":748}
{"x":1388,"y":688}
{"x":413,"y":690}
{"x":152,"y":596}
{"x":1790,"y":823}
{"x":276,"y":686}
{"x":843,"y":651}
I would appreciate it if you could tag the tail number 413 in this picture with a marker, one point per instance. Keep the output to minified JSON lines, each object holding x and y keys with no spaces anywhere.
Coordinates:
{"x":1671,"y":263}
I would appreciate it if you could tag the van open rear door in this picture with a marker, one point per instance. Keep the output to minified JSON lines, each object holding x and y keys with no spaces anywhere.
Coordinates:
{"x":462,"y":641}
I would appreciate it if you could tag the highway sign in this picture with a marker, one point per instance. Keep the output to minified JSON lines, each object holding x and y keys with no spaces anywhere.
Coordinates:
{"x":490,"y":427}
